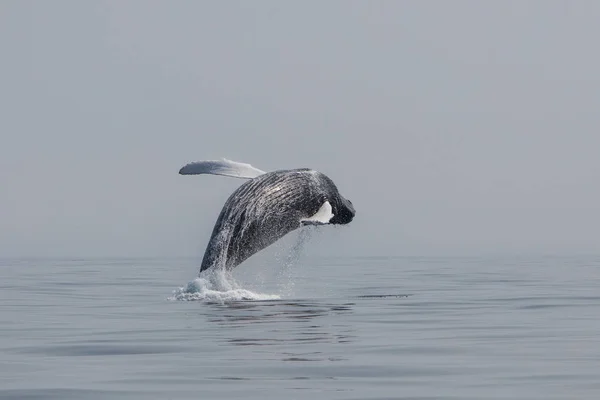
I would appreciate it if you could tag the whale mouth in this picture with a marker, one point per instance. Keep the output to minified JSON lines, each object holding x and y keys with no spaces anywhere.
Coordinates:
{"x":345,"y":213}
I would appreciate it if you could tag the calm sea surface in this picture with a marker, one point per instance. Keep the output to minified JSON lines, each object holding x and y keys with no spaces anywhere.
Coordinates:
{"x":343,"y":328}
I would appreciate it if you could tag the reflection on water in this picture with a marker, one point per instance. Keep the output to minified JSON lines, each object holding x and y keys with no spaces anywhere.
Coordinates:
{"x":383,"y":296}
{"x":268,"y":311}
{"x":284,"y":325}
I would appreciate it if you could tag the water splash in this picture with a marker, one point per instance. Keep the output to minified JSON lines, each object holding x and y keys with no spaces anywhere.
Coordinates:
{"x":285,"y":273}
{"x":217,"y":286}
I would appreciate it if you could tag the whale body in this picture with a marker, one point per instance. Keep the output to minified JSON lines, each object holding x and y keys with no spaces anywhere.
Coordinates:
{"x":267,"y":207}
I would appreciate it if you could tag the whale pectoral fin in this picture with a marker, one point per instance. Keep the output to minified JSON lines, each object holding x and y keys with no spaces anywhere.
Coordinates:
{"x":321,"y":217}
{"x":221,"y":167}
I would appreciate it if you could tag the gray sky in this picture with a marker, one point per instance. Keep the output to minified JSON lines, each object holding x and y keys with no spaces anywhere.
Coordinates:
{"x":455,"y":127}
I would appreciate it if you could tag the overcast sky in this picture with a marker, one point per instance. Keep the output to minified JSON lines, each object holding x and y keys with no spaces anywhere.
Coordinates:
{"x":455,"y":127}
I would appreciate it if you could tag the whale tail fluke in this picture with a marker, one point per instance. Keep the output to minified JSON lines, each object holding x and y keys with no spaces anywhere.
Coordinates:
{"x":221,"y":167}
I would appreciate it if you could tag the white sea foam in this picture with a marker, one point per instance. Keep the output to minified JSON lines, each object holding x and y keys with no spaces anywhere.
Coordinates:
{"x":217,"y":286}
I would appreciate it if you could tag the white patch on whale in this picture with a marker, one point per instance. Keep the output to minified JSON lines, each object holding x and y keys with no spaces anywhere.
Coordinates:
{"x":323,"y":216}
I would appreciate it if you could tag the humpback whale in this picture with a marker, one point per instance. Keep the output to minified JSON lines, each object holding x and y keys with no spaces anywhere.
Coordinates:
{"x":266,"y":207}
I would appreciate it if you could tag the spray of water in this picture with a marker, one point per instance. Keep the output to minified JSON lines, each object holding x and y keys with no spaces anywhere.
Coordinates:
{"x":287,"y":261}
{"x":219,"y":285}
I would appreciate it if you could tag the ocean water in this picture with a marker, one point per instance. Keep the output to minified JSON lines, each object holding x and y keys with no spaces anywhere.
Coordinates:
{"x":301,"y":328}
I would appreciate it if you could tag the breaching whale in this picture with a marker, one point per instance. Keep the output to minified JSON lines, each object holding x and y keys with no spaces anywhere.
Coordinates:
{"x":267,"y":207}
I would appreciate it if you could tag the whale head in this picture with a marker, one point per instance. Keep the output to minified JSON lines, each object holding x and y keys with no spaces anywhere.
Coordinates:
{"x":341,"y":208}
{"x":343,"y":211}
